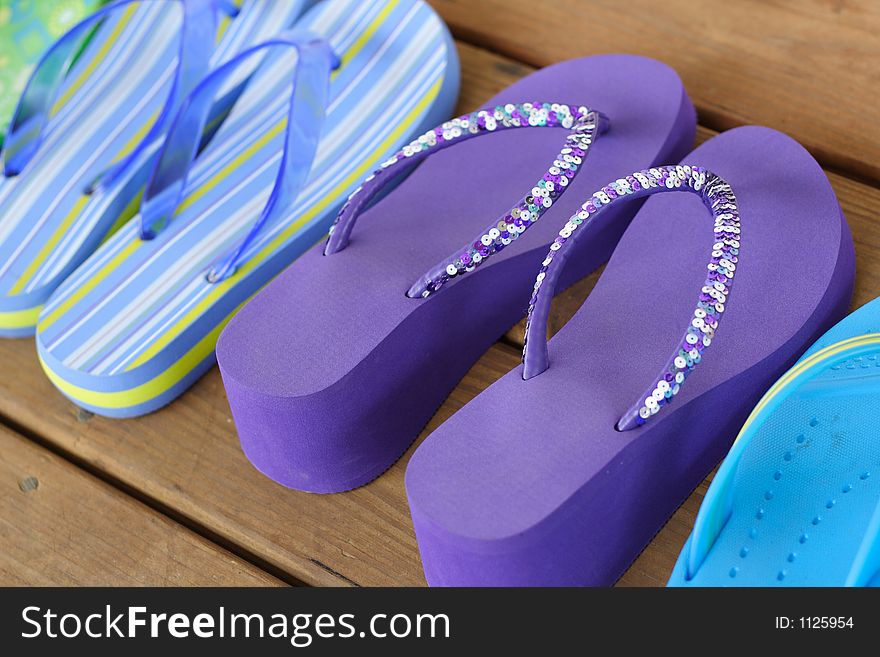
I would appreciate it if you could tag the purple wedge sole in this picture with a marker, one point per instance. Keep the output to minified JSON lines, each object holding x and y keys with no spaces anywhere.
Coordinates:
{"x":331,"y":371}
{"x":530,"y":483}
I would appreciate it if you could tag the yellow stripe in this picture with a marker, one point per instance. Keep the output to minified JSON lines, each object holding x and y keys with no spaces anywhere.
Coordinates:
{"x":136,"y":138}
{"x":99,"y":57}
{"x":125,"y":216}
{"x":152,"y":388}
{"x":49,"y":245}
{"x":225,"y":22}
{"x":222,"y":287}
{"x":229,"y":168}
{"x":89,"y":285}
{"x":831,"y":350}
{"x":827,"y":352}
{"x":364,"y":38}
{"x":20,"y":318}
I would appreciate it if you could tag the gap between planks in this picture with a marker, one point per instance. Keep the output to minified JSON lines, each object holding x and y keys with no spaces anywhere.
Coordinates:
{"x":101,"y":477}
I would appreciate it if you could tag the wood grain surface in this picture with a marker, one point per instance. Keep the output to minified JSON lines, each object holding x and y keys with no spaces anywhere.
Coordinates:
{"x":60,"y":526}
{"x":185,"y":462}
{"x":807,"y":67}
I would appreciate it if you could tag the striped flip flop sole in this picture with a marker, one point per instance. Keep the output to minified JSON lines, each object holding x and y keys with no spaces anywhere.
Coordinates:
{"x":136,"y":324}
{"x":107,"y":104}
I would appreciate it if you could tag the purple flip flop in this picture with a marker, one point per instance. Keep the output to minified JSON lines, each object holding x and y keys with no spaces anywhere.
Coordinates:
{"x":334,"y":368}
{"x":560,"y":475}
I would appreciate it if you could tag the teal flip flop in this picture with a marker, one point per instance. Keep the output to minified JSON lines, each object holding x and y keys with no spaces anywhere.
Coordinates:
{"x":797,"y":500}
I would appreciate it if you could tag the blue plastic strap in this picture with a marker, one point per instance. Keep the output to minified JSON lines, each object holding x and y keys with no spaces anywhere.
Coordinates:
{"x":26,"y":131}
{"x":229,"y":7}
{"x":308,"y":100}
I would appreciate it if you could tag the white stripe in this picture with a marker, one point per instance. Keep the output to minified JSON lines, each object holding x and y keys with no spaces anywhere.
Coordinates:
{"x":228,"y":234}
{"x":383,"y":48}
{"x":125,"y":235}
{"x":273,"y":76}
{"x":82,"y":228}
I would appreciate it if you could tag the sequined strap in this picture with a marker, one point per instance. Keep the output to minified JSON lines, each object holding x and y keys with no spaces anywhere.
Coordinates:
{"x":721,"y":202}
{"x":583,"y":125}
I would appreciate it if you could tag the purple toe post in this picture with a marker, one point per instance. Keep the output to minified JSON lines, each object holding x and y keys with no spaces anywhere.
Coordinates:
{"x":531,"y":484}
{"x":332,"y":370}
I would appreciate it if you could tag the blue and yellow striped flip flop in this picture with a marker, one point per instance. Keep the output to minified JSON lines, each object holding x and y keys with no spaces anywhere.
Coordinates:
{"x":137,"y":323}
{"x":797,"y":500}
{"x":90,"y":122}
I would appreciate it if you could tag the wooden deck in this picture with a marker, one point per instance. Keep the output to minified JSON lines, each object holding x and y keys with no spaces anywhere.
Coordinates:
{"x":170,"y":498}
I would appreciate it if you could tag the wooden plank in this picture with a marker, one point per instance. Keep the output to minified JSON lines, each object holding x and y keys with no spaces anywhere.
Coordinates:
{"x":808,"y":68}
{"x":861,"y":206}
{"x":61,"y":526}
{"x":187,"y":457}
